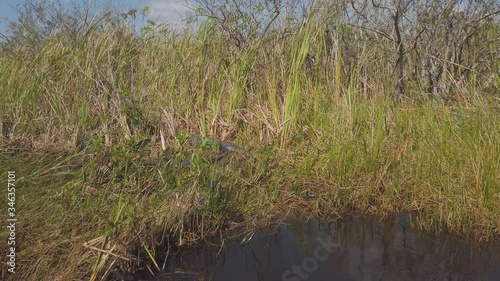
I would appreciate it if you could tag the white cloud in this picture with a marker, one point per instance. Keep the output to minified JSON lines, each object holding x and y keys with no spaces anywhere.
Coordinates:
{"x":168,"y":11}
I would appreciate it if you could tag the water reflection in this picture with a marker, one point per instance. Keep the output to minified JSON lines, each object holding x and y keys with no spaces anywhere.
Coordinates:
{"x":352,"y":249}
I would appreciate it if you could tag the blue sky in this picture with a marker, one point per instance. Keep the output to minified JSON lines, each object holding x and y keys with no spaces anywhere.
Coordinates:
{"x":165,"y":11}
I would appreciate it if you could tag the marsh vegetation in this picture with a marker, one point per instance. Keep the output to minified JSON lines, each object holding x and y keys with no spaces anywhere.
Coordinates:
{"x":340,"y":108}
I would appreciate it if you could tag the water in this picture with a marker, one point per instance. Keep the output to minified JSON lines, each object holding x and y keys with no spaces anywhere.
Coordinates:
{"x":352,"y":249}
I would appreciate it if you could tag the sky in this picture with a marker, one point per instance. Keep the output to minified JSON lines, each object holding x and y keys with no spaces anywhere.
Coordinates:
{"x":164,"y":11}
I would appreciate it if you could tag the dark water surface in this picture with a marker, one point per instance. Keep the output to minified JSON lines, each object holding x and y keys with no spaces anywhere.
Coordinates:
{"x":351,"y":249}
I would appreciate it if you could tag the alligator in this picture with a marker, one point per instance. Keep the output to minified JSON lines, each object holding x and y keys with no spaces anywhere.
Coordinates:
{"x":225,"y":148}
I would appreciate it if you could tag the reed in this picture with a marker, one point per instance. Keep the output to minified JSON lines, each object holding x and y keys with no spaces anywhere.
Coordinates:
{"x":322,"y":137}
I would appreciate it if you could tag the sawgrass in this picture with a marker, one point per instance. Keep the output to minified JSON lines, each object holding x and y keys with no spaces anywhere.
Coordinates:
{"x":322,"y":136}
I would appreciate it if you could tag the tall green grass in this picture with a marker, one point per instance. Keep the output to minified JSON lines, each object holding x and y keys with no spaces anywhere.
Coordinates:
{"x":321,"y":136}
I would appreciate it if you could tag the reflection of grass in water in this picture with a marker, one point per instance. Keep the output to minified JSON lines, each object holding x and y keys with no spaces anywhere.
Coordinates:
{"x":392,"y":159}
{"x":314,"y":146}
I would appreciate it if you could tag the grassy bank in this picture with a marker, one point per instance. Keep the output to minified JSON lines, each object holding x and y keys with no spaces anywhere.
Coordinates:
{"x":323,"y":137}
